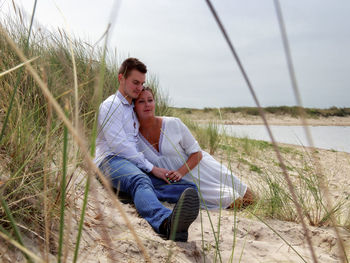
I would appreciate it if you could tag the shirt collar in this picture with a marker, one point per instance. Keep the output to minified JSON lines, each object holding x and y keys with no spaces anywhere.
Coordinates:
{"x":123,"y":99}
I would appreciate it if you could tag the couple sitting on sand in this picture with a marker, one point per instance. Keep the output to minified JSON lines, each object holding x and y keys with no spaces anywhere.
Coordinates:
{"x":157,"y":159}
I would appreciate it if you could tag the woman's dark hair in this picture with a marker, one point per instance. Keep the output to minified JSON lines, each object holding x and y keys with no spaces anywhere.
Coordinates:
{"x":147,"y":88}
{"x":130,"y":64}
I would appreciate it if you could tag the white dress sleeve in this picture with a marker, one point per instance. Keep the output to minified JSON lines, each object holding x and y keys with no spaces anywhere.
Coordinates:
{"x":187,"y":141}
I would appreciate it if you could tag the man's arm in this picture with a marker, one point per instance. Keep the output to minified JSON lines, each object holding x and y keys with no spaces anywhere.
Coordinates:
{"x":112,"y":125}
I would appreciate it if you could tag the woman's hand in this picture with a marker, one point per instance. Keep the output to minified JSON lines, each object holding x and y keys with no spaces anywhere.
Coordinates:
{"x":174,"y":176}
{"x":161,"y":173}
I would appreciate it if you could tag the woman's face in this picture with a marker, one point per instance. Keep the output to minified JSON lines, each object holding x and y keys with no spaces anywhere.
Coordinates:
{"x":145,"y":105}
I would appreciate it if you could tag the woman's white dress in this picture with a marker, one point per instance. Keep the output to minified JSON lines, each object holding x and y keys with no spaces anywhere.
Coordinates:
{"x":217,"y":185}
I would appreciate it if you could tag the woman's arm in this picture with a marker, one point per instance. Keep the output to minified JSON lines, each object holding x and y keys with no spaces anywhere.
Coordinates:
{"x":192,"y":161}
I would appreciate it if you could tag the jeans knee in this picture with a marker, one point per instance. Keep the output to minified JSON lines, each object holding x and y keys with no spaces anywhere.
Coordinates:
{"x":142,"y":181}
{"x":192,"y":185}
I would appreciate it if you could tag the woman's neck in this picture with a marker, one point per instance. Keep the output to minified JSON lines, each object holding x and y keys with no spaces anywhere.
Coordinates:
{"x":149,"y":123}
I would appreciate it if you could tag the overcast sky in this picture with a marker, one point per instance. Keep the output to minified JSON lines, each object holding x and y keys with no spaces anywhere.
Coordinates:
{"x":181,"y":44}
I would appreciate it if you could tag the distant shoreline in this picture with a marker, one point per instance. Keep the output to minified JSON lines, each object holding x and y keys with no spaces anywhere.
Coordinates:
{"x":238,"y":118}
{"x":281,"y":120}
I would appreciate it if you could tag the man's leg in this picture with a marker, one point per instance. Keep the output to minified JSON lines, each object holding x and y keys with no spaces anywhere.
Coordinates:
{"x":170,"y":192}
{"x":185,"y":195}
{"x":126,"y":177}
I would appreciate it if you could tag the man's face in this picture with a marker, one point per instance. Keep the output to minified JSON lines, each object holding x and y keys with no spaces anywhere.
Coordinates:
{"x":131,"y":86}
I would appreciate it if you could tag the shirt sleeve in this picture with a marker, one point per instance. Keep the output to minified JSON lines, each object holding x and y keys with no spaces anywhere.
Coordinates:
{"x":187,"y":142}
{"x":111,"y":123}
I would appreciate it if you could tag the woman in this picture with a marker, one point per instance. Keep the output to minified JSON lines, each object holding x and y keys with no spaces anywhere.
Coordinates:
{"x":167,"y":142}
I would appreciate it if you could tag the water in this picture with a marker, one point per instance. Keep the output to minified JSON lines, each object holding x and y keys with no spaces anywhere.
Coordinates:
{"x":325,"y":137}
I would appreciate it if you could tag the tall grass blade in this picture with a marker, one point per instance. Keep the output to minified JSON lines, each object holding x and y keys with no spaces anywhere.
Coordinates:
{"x":17,"y":67}
{"x":13,"y":225}
{"x":76,"y":95}
{"x":45,"y":181}
{"x":31,"y":23}
{"x":24,"y":250}
{"x":98,"y":99}
{"x":4,"y":125}
{"x":304,"y":122}
{"x":19,"y":75}
{"x":200,"y":197}
{"x":63,"y":190}
{"x":262,"y":114}
{"x":93,"y":144}
{"x":81,"y":223}
{"x":285,"y":241}
{"x":3,"y":230}
{"x":13,"y":94}
{"x":3,"y":202}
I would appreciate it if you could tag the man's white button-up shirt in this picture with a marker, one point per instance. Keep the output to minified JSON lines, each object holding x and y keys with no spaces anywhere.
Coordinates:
{"x":117,"y":132}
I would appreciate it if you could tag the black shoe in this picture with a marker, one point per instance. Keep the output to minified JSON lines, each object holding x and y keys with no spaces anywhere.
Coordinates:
{"x":184,"y":213}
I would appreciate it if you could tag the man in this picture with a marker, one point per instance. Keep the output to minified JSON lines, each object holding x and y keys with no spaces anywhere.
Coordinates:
{"x":129,"y":171}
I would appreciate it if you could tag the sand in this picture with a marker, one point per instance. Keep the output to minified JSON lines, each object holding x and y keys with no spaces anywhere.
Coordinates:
{"x":252,"y":239}
{"x":242,"y":236}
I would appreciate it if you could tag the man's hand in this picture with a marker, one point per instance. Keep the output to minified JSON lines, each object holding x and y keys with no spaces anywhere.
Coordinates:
{"x":174,"y":176}
{"x":160,"y":173}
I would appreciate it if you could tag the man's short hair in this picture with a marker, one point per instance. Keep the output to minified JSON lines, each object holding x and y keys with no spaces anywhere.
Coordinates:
{"x":130,"y":64}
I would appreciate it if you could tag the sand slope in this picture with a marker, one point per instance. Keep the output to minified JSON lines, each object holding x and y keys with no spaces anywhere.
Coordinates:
{"x":254,"y":241}
{"x":106,"y":238}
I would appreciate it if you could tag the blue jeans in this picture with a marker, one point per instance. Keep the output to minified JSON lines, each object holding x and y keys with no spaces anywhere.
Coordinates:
{"x":145,"y":190}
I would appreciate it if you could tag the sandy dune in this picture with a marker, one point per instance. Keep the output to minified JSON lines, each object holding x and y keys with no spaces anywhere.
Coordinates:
{"x":253,"y":240}
{"x":242,"y":236}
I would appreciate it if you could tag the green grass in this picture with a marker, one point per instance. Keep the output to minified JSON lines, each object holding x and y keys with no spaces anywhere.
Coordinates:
{"x":32,"y":136}
{"x":213,"y":136}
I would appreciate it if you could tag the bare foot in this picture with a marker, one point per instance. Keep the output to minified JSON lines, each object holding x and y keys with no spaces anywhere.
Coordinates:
{"x":248,"y":199}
